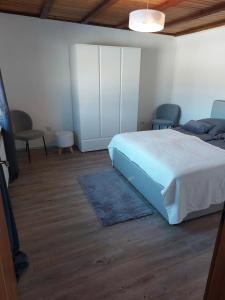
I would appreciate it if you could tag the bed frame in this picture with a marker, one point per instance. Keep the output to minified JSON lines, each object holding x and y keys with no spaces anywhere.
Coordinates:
{"x":150,"y":189}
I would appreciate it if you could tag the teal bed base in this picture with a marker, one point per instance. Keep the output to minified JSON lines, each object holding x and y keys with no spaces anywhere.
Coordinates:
{"x":150,"y":189}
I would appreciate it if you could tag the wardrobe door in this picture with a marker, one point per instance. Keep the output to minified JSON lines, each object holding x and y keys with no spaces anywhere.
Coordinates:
{"x":87,"y":67}
{"x":130,"y":64}
{"x":109,"y":90}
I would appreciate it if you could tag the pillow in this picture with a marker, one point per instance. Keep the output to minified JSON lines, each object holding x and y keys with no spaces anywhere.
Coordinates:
{"x":218,"y":126}
{"x":199,"y":127}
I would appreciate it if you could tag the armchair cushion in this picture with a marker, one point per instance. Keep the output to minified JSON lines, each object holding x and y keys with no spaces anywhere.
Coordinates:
{"x":27,"y":135}
{"x":163,"y":122}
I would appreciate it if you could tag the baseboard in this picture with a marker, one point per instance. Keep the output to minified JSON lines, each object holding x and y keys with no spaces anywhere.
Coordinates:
{"x":93,"y":145}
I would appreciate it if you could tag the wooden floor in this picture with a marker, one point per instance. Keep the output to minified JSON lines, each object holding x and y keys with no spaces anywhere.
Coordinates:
{"x":73,"y":257}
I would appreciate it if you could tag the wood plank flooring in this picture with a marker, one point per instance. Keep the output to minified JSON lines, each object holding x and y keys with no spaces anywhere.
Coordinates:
{"x":72,"y":257}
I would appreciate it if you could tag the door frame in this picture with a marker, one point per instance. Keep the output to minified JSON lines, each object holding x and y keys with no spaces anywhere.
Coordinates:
{"x":8,"y":282}
{"x":216,"y":279}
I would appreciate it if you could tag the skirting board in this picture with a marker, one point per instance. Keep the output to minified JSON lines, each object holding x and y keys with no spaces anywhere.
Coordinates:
{"x":95,"y":144}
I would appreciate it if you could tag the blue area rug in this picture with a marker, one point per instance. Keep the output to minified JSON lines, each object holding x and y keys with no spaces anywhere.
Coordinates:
{"x":113,"y":198}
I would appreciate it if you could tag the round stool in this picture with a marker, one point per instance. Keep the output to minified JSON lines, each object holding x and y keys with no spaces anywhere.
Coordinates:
{"x":64,"y":139}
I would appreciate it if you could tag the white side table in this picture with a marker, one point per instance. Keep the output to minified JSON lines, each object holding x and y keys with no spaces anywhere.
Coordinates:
{"x":64,"y":139}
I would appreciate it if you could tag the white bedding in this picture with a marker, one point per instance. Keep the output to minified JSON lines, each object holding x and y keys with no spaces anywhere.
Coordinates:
{"x":191,"y":171}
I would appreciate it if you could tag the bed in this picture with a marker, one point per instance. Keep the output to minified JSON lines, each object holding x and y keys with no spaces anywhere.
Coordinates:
{"x":180,"y":173}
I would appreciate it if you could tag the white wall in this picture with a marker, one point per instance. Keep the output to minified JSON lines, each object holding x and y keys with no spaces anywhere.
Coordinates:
{"x":34,"y":58}
{"x":199,"y":72}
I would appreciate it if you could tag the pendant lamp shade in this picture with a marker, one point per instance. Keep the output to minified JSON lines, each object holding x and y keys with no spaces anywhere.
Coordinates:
{"x":146,"y":20}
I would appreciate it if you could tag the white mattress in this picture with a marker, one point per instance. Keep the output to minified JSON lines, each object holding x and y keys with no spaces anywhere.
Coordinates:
{"x":192,"y":172}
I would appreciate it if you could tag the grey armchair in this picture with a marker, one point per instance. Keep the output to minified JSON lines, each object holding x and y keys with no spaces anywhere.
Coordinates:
{"x":167,"y":116}
{"x":22,"y":126}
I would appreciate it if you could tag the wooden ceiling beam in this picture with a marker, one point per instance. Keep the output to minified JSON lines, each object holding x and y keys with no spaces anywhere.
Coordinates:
{"x":200,"y":14}
{"x":19,"y":13}
{"x":45,"y":9}
{"x":163,"y":6}
{"x":168,"y":4}
{"x":201,"y":28}
{"x":97,"y":10}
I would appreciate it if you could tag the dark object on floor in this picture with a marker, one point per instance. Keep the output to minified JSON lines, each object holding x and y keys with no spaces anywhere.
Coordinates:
{"x":21,"y":263}
{"x":167,"y":116}
{"x":7,"y":134}
{"x":114,"y":199}
{"x":23,"y":129}
{"x":19,"y":258}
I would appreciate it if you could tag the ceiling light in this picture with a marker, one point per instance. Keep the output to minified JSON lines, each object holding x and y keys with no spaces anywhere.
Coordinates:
{"x":146,"y":20}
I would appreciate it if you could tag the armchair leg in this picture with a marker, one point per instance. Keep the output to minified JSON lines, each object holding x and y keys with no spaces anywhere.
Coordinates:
{"x":46,"y":153}
{"x":28,"y":151}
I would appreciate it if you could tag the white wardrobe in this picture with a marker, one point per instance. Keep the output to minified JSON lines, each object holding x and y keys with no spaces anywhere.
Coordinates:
{"x":105,"y":88}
